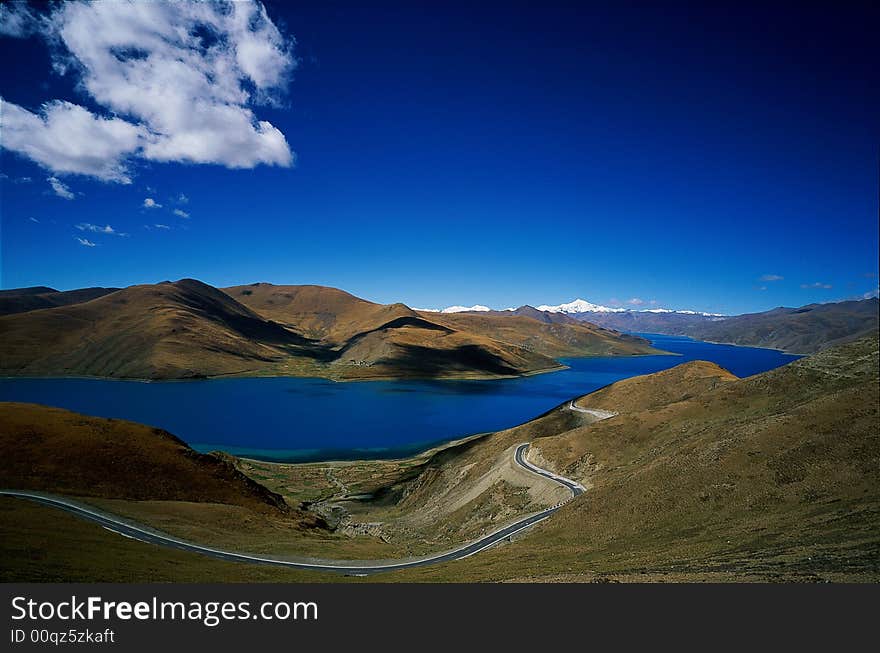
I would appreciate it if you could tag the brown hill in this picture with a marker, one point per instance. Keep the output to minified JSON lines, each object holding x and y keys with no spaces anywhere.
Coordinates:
{"x":59,"y":451}
{"x":319,"y":312}
{"x":30,"y":290}
{"x":638,"y":393}
{"x":21,"y":300}
{"x":188,"y":329}
{"x":371,"y":340}
{"x":379,"y":340}
{"x":169,"y":330}
{"x":548,"y":337}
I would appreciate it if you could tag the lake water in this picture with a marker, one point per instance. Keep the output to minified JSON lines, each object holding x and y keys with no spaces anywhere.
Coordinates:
{"x":314,"y":419}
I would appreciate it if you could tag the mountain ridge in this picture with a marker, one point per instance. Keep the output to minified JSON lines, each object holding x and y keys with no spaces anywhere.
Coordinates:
{"x":188,"y":329}
{"x":787,"y":329}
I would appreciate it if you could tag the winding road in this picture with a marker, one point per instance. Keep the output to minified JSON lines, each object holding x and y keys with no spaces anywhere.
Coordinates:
{"x":595,"y":412}
{"x":351,"y":567}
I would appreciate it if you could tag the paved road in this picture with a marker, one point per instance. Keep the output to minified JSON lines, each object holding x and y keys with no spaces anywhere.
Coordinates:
{"x":595,"y":412}
{"x":352,"y":568}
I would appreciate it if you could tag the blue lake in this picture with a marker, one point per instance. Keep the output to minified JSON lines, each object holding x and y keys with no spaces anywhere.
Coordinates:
{"x":314,"y":419}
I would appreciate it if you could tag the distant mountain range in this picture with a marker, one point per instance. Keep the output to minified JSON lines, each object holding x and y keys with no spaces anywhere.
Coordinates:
{"x":188,"y":329}
{"x":803,"y":330}
{"x":576,"y":307}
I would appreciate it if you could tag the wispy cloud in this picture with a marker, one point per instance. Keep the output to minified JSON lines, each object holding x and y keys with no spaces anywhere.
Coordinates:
{"x":817,"y":284}
{"x":771,"y":277}
{"x":635,"y":301}
{"x":16,"y":180}
{"x":98,"y":229}
{"x":61,"y":190}
{"x":87,"y":226}
{"x":85,"y":242}
{"x":182,"y":199}
{"x":17,"y":20}
{"x":180,"y":213}
{"x":34,"y":220}
{"x":186,"y":76}
{"x":150,"y":203}
{"x":161,"y":226}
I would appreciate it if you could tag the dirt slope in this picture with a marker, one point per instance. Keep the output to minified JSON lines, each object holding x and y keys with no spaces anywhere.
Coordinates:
{"x":56,"y":450}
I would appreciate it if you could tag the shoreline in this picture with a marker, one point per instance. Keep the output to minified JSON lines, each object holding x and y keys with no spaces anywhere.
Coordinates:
{"x":430,"y":451}
{"x":245,"y":375}
{"x":343,"y":455}
{"x":718,"y":342}
{"x":216,"y":377}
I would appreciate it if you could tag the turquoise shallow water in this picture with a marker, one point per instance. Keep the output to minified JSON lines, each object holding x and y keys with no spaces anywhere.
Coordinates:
{"x":314,"y":419}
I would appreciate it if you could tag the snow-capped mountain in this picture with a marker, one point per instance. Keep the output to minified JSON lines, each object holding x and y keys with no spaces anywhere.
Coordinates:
{"x":579,"y":306}
{"x":576,"y":307}
{"x":479,"y":308}
{"x":463,"y":309}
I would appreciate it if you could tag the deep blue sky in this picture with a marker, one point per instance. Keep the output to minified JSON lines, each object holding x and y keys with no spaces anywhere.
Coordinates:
{"x":460,"y":155}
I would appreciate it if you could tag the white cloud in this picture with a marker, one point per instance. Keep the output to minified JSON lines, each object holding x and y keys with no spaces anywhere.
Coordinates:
{"x":85,"y":242}
{"x":635,"y":301}
{"x":817,"y":284}
{"x":61,"y":190}
{"x":161,"y":226}
{"x":770,"y":277}
{"x":98,"y":229}
{"x":150,"y":203}
{"x":34,"y":220}
{"x":17,"y":20}
{"x":66,"y":138}
{"x":180,"y":213}
{"x":182,"y":199}
{"x":181,"y":80}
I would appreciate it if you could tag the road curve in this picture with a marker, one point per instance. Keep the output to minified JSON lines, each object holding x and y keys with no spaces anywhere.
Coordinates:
{"x":595,"y":412}
{"x":352,"y":567}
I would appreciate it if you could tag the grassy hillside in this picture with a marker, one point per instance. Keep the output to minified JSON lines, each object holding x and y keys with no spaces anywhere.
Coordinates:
{"x":702,"y":476}
{"x":60,"y":451}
